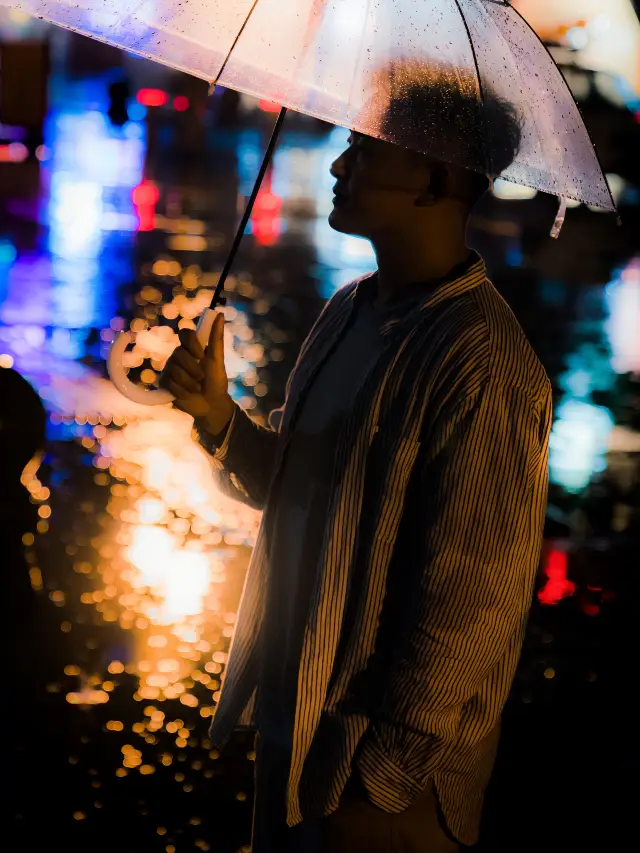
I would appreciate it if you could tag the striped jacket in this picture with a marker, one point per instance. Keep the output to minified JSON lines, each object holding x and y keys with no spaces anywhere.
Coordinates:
{"x":430,"y":552}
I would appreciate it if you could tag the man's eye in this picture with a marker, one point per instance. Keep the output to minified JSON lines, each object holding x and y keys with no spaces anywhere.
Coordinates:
{"x":355,"y":146}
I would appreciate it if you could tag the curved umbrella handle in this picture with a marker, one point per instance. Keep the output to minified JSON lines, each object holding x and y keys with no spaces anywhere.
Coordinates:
{"x":148,"y":396}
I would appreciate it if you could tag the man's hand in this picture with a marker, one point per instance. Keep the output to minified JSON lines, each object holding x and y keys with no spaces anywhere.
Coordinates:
{"x":198,"y":380}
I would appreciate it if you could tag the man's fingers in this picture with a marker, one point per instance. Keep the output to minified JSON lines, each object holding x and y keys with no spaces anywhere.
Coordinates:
{"x":189,"y":341}
{"x":181,"y":394}
{"x":187,"y":362}
{"x":186,"y":402}
{"x":182,"y":378}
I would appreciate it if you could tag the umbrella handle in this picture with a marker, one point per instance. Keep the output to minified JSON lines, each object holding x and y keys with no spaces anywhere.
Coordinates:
{"x":118,"y":372}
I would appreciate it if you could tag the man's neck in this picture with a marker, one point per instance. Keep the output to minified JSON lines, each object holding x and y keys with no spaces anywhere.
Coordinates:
{"x":401,"y":270}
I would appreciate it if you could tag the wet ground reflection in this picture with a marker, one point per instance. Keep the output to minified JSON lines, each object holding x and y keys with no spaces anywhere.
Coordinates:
{"x":129,"y":225}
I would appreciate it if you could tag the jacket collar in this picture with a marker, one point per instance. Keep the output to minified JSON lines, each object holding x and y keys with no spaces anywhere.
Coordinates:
{"x":407,"y":307}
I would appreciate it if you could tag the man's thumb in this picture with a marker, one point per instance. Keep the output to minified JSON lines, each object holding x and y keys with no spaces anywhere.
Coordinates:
{"x":215,"y":347}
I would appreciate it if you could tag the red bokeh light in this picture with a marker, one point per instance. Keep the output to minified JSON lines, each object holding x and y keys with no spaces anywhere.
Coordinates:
{"x":14,"y":152}
{"x":145,"y":197}
{"x":181,"y":103}
{"x":266,"y":224}
{"x":145,"y":193}
{"x":557,"y":585}
{"x":152,"y":97}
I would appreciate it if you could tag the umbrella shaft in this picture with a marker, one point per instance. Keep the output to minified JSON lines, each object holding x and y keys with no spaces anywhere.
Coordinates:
{"x":218,"y":299}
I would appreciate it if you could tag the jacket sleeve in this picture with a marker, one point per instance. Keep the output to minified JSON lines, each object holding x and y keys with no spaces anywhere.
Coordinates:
{"x":243,"y":464}
{"x":483,"y":485}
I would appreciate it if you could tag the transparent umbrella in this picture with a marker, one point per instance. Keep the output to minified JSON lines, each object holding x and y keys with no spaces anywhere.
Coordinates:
{"x":349,"y":61}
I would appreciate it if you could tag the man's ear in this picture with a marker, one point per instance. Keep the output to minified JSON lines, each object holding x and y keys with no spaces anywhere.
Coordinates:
{"x":437,"y":187}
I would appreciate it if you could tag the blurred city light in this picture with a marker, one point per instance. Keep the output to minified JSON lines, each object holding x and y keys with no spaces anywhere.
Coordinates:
{"x":14,"y":152}
{"x":578,"y":443}
{"x":181,"y":103}
{"x":68,"y":284}
{"x":152,"y":98}
{"x":556,"y":586}
{"x":266,"y":224}
{"x":604,"y":36}
{"x":507,"y":190}
{"x":623,"y":324}
{"x":145,"y":197}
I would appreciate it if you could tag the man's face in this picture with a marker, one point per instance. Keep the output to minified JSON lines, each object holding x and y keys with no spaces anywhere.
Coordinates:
{"x":377,"y":184}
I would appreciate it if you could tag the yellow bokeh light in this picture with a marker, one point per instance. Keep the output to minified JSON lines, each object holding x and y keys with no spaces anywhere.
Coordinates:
{"x":168,"y":537}
{"x":87,"y":697}
{"x":35,"y":577}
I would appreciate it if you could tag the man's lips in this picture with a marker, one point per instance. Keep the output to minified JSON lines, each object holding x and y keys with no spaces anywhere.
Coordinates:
{"x":339,"y":196}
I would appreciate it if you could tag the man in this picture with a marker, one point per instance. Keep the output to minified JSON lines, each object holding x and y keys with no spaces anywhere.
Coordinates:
{"x":403,"y":493}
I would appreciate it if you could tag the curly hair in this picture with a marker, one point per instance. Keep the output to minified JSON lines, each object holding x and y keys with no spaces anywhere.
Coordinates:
{"x":447,"y":117}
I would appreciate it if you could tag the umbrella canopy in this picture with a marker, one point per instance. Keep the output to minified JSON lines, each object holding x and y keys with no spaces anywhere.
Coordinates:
{"x":347,"y":61}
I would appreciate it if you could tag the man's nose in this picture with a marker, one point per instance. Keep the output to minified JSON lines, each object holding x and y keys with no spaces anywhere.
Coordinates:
{"x":338,"y":167}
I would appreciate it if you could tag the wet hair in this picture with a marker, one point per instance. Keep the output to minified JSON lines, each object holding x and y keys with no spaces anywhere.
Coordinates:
{"x":445,"y":119}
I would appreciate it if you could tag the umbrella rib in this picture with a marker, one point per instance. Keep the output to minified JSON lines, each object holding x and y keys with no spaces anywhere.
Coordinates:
{"x":484,"y":115}
{"x":359,"y":60}
{"x":232,"y":48}
{"x":218,"y":298}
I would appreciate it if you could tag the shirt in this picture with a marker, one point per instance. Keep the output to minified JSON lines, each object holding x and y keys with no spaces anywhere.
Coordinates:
{"x":300,"y":512}
{"x":429,"y":553}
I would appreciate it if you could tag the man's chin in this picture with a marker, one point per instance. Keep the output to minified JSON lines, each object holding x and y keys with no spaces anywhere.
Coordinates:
{"x":340,"y":221}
